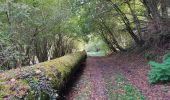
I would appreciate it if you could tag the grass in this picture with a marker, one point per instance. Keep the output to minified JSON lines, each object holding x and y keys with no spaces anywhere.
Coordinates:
{"x":122,"y":89}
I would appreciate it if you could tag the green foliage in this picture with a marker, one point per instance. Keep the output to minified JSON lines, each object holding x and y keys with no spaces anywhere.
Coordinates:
{"x":160,"y":72}
{"x":130,"y":93}
{"x":32,"y":29}
{"x":123,"y":90}
{"x":96,"y":47}
{"x":46,"y":29}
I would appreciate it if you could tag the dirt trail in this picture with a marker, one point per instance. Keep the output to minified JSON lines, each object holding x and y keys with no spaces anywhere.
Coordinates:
{"x":92,"y":83}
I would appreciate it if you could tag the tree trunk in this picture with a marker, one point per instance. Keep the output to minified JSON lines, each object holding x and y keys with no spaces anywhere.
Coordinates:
{"x":41,"y":49}
{"x":164,"y":9}
{"x":39,"y":81}
{"x":136,"y":20}
{"x":111,"y":46}
{"x":127,"y":24}
{"x":114,"y":41}
{"x":158,"y":24}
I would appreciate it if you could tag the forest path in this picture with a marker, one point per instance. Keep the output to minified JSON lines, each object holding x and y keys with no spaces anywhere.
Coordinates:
{"x":118,"y":77}
{"x":99,"y":81}
{"x":91,"y":84}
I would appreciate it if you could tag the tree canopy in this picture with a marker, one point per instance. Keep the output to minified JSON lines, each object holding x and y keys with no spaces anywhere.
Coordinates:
{"x":39,"y":30}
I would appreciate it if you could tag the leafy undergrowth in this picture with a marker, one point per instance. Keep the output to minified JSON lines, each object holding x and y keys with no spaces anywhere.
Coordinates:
{"x":160,"y":72}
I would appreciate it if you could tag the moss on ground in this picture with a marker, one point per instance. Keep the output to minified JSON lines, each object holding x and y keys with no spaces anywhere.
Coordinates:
{"x":44,"y":78}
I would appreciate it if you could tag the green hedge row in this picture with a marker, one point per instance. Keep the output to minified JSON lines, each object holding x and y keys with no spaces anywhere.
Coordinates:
{"x":43,"y":80}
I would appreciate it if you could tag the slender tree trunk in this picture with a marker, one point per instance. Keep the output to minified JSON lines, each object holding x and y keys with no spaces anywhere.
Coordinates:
{"x":106,"y":41}
{"x":152,"y":7}
{"x":148,"y":9}
{"x":127,"y":24}
{"x":164,"y":9}
{"x":136,"y":20}
{"x":41,"y":50}
{"x":114,"y":41}
{"x":9,"y":17}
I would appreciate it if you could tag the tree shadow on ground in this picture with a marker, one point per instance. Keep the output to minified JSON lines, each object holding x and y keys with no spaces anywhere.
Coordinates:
{"x":73,"y":79}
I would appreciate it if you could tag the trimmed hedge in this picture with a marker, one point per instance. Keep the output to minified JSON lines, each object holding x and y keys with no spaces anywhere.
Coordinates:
{"x":40,"y":81}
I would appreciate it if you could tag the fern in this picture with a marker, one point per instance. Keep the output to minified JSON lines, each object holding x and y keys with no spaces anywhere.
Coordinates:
{"x":160,"y":71}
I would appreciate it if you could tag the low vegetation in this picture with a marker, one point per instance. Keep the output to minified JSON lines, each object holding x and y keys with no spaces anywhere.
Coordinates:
{"x":160,"y":72}
{"x":122,"y":89}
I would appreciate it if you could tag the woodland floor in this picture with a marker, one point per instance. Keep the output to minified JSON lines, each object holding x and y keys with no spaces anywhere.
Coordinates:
{"x":118,"y":77}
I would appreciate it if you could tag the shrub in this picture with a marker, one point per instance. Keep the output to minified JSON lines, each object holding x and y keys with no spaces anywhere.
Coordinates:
{"x":160,"y":72}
